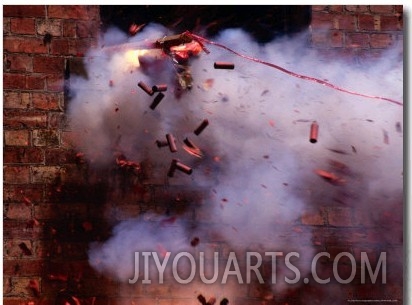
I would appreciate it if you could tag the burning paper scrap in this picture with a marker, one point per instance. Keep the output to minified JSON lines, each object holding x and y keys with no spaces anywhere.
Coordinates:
{"x":191,"y":148}
{"x":330,"y":177}
{"x":207,"y":84}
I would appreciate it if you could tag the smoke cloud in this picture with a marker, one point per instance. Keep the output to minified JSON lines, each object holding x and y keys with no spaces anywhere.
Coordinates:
{"x":257,"y":165}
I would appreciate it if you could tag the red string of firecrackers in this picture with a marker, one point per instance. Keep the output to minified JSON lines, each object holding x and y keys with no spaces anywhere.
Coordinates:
{"x":202,"y":40}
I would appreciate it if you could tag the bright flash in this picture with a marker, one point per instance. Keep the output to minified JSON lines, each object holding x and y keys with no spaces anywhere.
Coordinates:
{"x":132,"y":56}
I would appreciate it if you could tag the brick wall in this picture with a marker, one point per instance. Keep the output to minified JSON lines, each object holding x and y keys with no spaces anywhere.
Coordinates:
{"x":53,"y":202}
{"x":356,"y":30}
{"x":38,"y":41}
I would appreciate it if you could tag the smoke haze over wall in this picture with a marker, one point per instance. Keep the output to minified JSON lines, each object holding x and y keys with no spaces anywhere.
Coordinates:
{"x":258,"y":164}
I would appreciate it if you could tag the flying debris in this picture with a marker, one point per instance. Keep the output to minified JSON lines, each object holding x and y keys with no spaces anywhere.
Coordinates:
{"x":145,"y":88}
{"x":201,"y":127}
{"x":224,"y":65}
{"x":314,"y":130}
{"x":157,"y":100}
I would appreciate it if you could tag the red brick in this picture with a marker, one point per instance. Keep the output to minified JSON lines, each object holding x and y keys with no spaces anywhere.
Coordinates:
{"x":46,"y":211}
{"x":20,"y":287}
{"x":22,"y":267}
{"x":79,"y":47}
{"x":18,"y":211}
{"x":336,"y":39}
{"x":17,"y":193}
{"x":382,"y":9}
{"x":24,"y":45}
{"x":381,"y":40}
{"x":59,"y":47}
{"x":319,"y":8}
{"x":390,"y":23}
{"x":12,"y":248}
{"x":23,"y":155}
{"x":16,"y":174}
{"x":399,"y":9}
{"x":6,"y":26}
{"x":336,"y":8}
{"x":60,"y":156}
{"x":322,"y":20}
{"x":69,"y":28}
{"x":49,"y":26}
{"x":84,"y":12}
{"x":35,"y":82}
{"x":320,"y":38}
{"x":22,"y":229}
{"x":59,"y":120}
{"x":16,"y":137}
{"x":357,"y":40}
{"x":357,"y":8}
{"x":55,"y":82}
{"x":25,"y":119}
{"x":14,"y":81}
{"x":340,"y":217}
{"x":85,"y":29}
{"x":45,"y":137}
{"x":46,"y":174}
{"x":46,"y":101}
{"x":345,"y":22}
{"x":19,"y":63}
{"x":24,"y":10}
{"x":17,"y":100}
{"x":366,"y":22}
{"x":22,"y":26}
{"x":313,"y":218}
{"x":47,"y":64}
{"x":20,"y":81}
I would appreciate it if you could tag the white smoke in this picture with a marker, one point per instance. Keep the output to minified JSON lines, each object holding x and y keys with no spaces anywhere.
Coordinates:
{"x":258,"y":165}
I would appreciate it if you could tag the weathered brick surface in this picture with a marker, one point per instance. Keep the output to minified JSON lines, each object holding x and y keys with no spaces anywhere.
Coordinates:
{"x":16,"y":174}
{"x":24,"y":10}
{"x":16,"y":137}
{"x":24,"y":119}
{"x":47,"y":101}
{"x":26,"y":45}
{"x":357,"y":40}
{"x":81,"y":12}
{"x":381,"y":40}
{"x":23,"y":155}
{"x":13,"y":99}
{"x":52,"y":27}
{"x":356,"y":27}
{"x":19,"y":62}
{"x":35,"y":166}
{"x":47,"y":64}
{"x":22,"y":26}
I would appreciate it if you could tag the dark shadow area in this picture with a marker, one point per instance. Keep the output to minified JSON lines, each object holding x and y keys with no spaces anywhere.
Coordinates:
{"x":263,"y":22}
